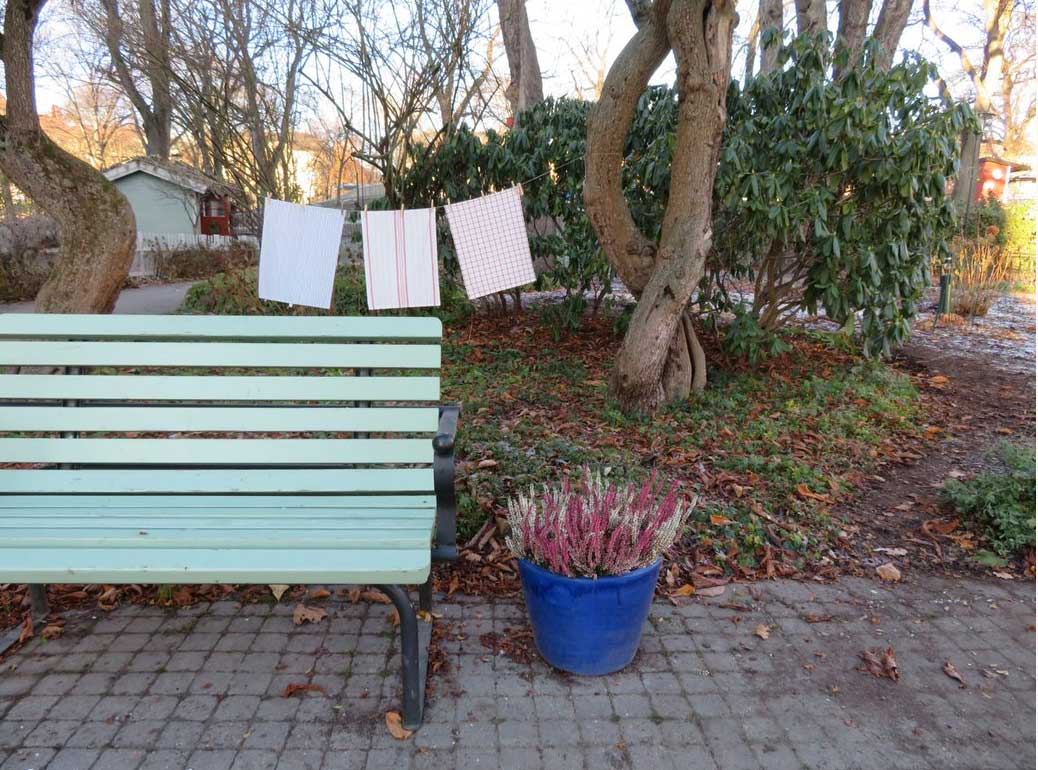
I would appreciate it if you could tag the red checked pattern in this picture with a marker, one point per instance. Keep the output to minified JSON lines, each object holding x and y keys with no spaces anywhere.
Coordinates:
{"x":491,"y":242}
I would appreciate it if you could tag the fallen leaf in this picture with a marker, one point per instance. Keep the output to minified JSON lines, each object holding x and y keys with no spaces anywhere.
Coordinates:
{"x":1003,"y":575}
{"x":813,"y":617}
{"x":763,"y":631}
{"x":320,"y":593}
{"x":686,"y":590}
{"x":892,"y":551}
{"x":937,"y":380}
{"x":297,"y":687}
{"x":481,"y":465}
{"x":53,"y":631}
{"x":373,"y":595}
{"x":881,"y":663}
{"x":304,"y":614}
{"x":888,"y":572}
{"x":953,"y":672}
{"x":27,"y":630}
{"x":805,"y":491}
{"x":278,"y":590}
{"x":395,"y":725}
{"x":719,"y":521}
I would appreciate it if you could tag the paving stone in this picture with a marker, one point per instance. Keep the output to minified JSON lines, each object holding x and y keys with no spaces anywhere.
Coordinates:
{"x":203,"y":687}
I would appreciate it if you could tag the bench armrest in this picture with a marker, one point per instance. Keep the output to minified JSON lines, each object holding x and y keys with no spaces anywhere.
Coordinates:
{"x":446,"y":546}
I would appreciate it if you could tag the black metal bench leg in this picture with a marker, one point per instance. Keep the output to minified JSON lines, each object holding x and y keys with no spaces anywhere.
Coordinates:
{"x":413,"y":657}
{"x":425,"y":595}
{"x":38,"y":599}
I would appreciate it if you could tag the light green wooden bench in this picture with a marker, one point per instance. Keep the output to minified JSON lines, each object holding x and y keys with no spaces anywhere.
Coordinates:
{"x":303,"y":450}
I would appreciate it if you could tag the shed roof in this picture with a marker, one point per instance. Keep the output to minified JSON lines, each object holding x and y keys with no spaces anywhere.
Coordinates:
{"x":173,"y":172}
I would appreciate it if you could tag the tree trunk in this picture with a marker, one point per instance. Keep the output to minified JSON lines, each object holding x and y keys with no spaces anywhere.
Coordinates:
{"x":854,"y":21}
{"x":526,"y":88}
{"x":771,"y":18}
{"x":660,"y":360}
{"x":893,"y":16}
{"x":811,"y":16}
{"x":95,"y":222}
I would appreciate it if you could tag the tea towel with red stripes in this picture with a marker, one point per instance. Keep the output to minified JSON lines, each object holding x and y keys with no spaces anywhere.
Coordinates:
{"x":400,"y":265}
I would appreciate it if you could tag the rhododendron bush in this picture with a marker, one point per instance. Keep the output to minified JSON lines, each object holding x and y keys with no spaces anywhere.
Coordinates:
{"x":594,"y":528}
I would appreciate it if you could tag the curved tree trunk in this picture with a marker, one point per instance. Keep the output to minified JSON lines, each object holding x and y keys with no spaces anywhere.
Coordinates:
{"x":95,"y":222}
{"x":660,"y":360}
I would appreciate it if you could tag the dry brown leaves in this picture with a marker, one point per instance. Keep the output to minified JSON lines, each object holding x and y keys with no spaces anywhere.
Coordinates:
{"x":881,"y":663}
{"x":515,"y":643}
{"x":889,"y":572}
{"x":953,"y":672}
{"x":395,"y":725}
{"x":303,"y":614}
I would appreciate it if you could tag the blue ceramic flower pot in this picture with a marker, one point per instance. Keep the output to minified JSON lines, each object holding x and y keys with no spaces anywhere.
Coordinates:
{"x":588,"y":626}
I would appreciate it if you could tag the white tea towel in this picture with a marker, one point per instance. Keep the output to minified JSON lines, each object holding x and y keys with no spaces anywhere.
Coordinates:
{"x":400,"y":258}
{"x":299,"y":253}
{"x":491,"y":242}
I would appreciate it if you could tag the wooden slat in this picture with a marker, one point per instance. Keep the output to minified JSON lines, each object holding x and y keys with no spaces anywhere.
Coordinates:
{"x":187,"y":482}
{"x":206,"y":565}
{"x":276,"y":505}
{"x":98,"y":387}
{"x":152,"y":327}
{"x":49,"y":519}
{"x":244,"y":419}
{"x":214,"y":451}
{"x":219,"y":354}
{"x":231,"y":539}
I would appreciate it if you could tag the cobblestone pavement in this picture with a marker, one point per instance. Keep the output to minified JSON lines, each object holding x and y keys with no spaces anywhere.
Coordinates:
{"x":203,"y":688}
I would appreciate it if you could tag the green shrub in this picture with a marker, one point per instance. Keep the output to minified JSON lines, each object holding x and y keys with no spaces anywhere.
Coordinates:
{"x":235,"y":292}
{"x":187,"y":263}
{"x":986,"y":220}
{"x":1001,"y":504}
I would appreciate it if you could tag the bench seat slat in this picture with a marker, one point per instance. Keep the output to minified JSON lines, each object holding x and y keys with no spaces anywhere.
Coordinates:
{"x":275,"y":505}
{"x":140,"y":387}
{"x":270,"y":481}
{"x":215,"y":451}
{"x":407,"y":566}
{"x":181,"y":354}
{"x":46,"y":520}
{"x":184,"y":327}
{"x":200,"y":418}
{"x":347,"y":540}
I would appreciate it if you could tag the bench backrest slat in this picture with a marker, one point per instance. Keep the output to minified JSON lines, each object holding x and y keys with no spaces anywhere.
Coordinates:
{"x":252,"y":419}
{"x":89,"y":387}
{"x":234,"y":354}
{"x":229,"y":328}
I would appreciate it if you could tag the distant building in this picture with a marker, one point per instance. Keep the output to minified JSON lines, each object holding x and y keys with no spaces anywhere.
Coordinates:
{"x":176,"y":207}
{"x":170,"y":198}
{"x":994,"y":175}
{"x":353,"y":197}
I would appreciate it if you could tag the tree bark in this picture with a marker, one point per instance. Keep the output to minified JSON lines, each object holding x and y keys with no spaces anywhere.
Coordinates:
{"x":853,"y":24}
{"x":660,"y":360}
{"x":811,"y":16}
{"x":771,"y":18}
{"x":893,"y":16}
{"x":526,"y":87}
{"x":95,"y":222}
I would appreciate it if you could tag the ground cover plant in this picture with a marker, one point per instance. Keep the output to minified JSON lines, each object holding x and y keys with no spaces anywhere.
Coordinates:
{"x":1000,"y":503}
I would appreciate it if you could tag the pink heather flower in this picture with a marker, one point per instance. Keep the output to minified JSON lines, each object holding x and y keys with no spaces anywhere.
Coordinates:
{"x":594,"y":528}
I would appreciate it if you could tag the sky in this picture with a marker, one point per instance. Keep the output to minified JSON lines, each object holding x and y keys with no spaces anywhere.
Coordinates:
{"x":562,"y":30}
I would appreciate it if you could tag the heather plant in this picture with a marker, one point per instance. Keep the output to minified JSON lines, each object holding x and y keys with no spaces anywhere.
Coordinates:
{"x":594,"y":528}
